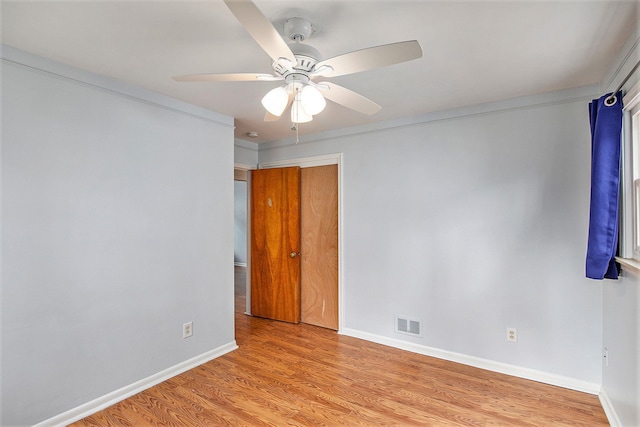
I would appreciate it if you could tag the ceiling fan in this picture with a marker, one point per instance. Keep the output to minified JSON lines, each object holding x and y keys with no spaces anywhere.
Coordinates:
{"x":299,"y":64}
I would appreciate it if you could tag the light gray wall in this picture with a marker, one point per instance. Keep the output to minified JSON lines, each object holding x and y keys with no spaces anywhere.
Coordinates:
{"x":621,"y":298}
{"x":472,"y":224}
{"x":245,"y":153}
{"x":240,"y":222}
{"x":116,"y":214}
{"x":621,"y":376}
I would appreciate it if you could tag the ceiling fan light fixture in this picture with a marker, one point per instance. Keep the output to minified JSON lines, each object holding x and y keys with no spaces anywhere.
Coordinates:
{"x":312,"y":100}
{"x":298,"y":63}
{"x":298,"y":114}
{"x":276,"y":100}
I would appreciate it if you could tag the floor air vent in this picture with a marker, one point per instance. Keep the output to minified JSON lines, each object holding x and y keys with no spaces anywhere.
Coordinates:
{"x":408,"y":326}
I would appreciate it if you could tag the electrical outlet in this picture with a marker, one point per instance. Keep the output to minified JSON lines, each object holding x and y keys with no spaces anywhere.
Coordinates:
{"x":512,"y":335}
{"x":187,"y":330}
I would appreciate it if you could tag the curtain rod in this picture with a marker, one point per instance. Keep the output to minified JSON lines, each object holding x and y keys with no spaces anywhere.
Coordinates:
{"x":612,"y":98}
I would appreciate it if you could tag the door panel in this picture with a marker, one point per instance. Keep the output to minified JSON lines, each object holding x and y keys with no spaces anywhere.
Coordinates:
{"x":319,"y":234}
{"x":275,"y":244}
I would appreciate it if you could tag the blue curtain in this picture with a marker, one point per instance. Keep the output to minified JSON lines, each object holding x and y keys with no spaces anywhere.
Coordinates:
{"x":606,"y":130}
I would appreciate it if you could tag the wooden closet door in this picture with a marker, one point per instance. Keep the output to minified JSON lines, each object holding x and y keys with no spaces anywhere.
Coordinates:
{"x":319,"y":234}
{"x":275,"y":244}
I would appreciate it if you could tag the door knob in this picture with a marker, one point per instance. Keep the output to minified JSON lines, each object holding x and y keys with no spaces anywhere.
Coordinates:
{"x":294,"y":254}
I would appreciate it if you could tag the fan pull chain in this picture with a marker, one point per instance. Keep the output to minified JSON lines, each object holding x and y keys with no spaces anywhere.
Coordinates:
{"x":296,"y":125}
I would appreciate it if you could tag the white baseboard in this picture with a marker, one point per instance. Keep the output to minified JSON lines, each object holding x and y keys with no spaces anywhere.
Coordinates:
{"x":116,"y":396}
{"x":490,"y":365}
{"x":609,"y":410}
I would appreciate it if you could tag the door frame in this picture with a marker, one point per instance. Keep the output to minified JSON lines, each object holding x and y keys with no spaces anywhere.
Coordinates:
{"x":307,"y":162}
{"x":247,"y":284}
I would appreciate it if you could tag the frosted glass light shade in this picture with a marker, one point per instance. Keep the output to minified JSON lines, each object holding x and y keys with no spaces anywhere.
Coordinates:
{"x":275,"y":101}
{"x":298,"y":115}
{"x":312,"y":100}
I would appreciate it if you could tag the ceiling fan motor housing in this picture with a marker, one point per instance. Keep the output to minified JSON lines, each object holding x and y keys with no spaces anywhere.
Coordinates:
{"x":307,"y":58}
{"x":306,"y":55}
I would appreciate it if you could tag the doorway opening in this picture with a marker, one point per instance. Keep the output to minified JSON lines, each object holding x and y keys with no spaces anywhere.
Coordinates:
{"x":241,"y":232}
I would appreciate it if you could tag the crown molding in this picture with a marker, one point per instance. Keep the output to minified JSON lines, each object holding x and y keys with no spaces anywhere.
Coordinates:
{"x":583,"y":93}
{"x":18,"y":58}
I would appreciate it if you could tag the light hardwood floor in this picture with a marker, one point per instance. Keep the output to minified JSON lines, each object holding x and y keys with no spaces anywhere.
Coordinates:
{"x":303,"y":375}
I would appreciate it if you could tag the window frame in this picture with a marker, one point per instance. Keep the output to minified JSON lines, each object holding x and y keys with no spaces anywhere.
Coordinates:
{"x":630,"y":179}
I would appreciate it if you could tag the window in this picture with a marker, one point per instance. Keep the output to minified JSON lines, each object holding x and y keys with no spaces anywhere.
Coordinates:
{"x":630,"y":202}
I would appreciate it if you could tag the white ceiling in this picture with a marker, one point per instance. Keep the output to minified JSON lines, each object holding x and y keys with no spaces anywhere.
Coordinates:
{"x":474,"y":51}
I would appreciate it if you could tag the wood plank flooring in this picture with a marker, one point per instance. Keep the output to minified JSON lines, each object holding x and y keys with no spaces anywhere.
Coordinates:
{"x":302,"y":375}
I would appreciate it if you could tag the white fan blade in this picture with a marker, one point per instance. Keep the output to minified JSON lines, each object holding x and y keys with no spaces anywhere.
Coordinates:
{"x":237,"y":77}
{"x":373,"y":57}
{"x":268,"y":117}
{"x":261,"y":29}
{"x":349,"y":98}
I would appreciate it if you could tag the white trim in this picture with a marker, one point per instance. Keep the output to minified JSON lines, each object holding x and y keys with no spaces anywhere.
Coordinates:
{"x":243,"y":167}
{"x":583,"y":93}
{"x":628,"y":200}
{"x":629,"y":265}
{"x":18,"y":58}
{"x":631,"y":98}
{"x":609,"y":410}
{"x":116,"y":396}
{"x":626,"y":176}
{"x":624,"y":62}
{"x":307,"y":162}
{"x":489,"y":365}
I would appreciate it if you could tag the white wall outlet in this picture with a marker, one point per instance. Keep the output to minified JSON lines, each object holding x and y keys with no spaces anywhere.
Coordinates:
{"x":512,"y":335}
{"x":187,"y":330}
